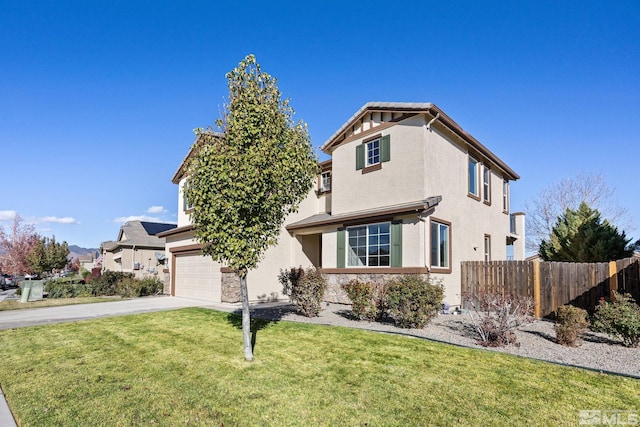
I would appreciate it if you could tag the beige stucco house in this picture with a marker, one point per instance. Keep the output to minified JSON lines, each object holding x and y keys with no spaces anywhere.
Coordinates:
{"x":137,"y":250}
{"x":406,"y":191}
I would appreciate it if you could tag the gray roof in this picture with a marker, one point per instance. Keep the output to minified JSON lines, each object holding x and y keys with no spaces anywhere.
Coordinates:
{"x":420,"y":107}
{"x":141,"y":233}
{"x":325,"y":219}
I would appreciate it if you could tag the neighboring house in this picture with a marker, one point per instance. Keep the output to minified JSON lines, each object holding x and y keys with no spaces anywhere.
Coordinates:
{"x":137,"y":250}
{"x":86,"y":262}
{"x":407,"y":191}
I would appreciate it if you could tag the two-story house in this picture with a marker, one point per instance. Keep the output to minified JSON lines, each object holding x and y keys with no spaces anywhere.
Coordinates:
{"x":137,"y":250}
{"x":406,"y":191}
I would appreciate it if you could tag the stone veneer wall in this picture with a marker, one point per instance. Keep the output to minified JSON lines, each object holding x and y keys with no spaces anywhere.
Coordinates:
{"x":230,"y":288}
{"x":336,"y":294}
{"x":166,"y":282}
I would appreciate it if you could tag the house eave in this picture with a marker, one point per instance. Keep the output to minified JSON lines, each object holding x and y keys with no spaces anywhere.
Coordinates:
{"x":343,"y":219}
{"x":419,"y":108}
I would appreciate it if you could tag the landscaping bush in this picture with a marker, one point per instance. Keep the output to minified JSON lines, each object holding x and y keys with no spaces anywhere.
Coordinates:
{"x":67,"y":288}
{"x":412,"y":301}
{"x":129,"y":287}
{"x":107,"y":283}
{"x":305,"y":289}
{"x":497,"y":316}
{"x":619,"y":319}
{"x":571,"y":322}
{"x":366,"y":299}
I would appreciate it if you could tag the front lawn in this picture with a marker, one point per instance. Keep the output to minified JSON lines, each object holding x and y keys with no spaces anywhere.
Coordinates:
{"x":54,"y":302}
{"x":186,"y":367}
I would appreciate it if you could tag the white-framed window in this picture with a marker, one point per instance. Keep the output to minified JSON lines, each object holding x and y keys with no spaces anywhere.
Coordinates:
{"x":505,"y":196}
{"x":325,"y":181}
{"x":474,"y":189}
{"x":487,"y":248}
{"x":486,"y":185}
{"x":369,"y":245}
{"x":373,"y":152}
{"x":185,"y":203}
{"x":440,"y":245}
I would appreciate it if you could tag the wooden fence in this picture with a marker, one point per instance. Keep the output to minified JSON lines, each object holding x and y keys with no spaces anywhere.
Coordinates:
{"x":552,"y":284}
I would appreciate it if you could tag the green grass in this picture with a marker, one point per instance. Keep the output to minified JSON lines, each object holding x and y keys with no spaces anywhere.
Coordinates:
{"x":54,"y":302}
{"x":186,"y":367}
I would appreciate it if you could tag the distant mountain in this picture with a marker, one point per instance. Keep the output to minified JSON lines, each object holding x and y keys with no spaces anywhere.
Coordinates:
{"x":76,"y":251}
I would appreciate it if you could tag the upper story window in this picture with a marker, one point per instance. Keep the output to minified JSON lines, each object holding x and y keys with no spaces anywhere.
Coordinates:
{"x":474,"y":188}
{"x":440,"y":245}
{"x":373,"y":152}
{"x":185,"y":203}
{"x":325,"y":182}
{"x":486,"y":185}
{"x":505,"y":196}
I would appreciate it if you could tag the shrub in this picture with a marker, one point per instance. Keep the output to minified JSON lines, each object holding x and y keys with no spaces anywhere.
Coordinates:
{"x":305,"y":289}
{"x":59,"y":288}
{"x":129,"y":287}
{"x":366,"y":299}
{"x":497,"y":316}
{"x":619,"y":319}
{"x":412,"y":301}
{"x":571,"y":322}
{"x":107,"y":283}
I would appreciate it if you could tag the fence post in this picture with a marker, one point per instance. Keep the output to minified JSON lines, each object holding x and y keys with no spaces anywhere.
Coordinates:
{"x":613,"y":280}
{"x":536,"y":289}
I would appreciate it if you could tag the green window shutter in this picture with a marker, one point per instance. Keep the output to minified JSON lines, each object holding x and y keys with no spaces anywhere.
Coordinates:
{"x":396,"y":244}
{"x":184,"y":200}
{"x":385,"y":148}
{"x":341,"y":248}
{"x":359,"y":156}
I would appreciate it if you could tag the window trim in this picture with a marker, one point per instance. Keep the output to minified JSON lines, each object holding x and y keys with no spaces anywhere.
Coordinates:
{"x":436,"y":268}
{"x":486,"y":249}
{"x":321,"y":188}
{"x":367,"y":150}
{"x":366,"y":227}
{"x":486,"y":185}
{"x":505,"y":196}
{"x":471,"y":159}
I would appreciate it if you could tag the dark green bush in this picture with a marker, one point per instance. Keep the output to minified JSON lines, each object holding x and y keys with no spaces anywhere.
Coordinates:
{"x":619,"y":319}
{"x":107,"y":283}
{"x":305,"y":289}
{"x":412,"y":301}
{"x":129,"y":287}
{"x":67,"y":288}
{"x":571,"y":322}
{"x":366,"y":299}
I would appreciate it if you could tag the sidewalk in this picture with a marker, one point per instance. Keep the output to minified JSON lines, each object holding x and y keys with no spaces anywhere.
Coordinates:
{"x":70,"y":313}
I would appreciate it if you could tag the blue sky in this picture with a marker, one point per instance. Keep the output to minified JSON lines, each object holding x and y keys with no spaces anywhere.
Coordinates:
{"x":98,"y":100}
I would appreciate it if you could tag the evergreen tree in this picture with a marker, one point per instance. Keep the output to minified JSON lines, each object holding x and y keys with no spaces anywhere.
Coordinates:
{"x":582,"y":236}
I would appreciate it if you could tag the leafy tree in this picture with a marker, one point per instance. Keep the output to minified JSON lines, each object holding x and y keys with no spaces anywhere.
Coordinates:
{"x":545,"y":208}
{"x":581,"y":236}
{"x":15,"y":246}
{"x":48,"y":255}
{"x":245,"y":181}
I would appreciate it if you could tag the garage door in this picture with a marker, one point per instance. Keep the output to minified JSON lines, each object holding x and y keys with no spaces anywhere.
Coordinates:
{"x":197,"y":277}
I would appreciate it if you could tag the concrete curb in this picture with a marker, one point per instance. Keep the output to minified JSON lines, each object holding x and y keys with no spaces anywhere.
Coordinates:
{"x":6,"y":417}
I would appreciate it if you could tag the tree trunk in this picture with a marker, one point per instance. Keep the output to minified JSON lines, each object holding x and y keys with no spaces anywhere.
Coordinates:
{"x":246,"y":319}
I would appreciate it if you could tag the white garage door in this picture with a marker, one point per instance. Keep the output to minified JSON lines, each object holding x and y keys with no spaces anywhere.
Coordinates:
{"x":197,"y":277}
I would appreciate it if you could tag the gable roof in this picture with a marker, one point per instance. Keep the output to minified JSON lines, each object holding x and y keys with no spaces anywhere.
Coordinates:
{"x":407,"y":109}
{"x":141,"y":233}
{"x":200,"y":139}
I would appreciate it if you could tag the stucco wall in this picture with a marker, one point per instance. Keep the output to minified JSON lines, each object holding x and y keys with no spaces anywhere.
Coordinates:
{"x":398,"y":181}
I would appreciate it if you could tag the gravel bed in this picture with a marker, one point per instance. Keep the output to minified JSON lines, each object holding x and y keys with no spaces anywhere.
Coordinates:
{"x":537,"y":340}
